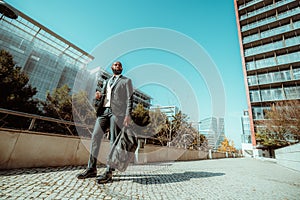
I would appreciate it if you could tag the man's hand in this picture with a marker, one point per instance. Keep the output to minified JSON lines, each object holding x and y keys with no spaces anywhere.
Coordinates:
{"x":126,"y":121}
{"x":98,"y":95}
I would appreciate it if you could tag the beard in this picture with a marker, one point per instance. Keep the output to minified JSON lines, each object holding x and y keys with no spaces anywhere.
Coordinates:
{"x":117,"y":72}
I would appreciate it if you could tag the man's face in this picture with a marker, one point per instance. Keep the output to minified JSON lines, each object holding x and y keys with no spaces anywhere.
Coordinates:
{"x":117,"y":68}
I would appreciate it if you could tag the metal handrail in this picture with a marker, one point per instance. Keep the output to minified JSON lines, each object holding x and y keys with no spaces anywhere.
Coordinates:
{"x":35,"y":117}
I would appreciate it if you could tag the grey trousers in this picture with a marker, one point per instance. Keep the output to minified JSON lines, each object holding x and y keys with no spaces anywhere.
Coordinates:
{"x":107,"y":119}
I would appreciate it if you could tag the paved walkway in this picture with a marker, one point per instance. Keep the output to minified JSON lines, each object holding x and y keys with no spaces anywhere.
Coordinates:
{"x":238,"y":178}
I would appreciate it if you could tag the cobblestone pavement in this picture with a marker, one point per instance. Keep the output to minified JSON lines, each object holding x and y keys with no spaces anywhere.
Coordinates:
{"x":236,"y":178}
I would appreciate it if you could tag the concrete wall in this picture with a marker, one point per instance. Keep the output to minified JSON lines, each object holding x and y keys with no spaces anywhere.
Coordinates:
{"x":247,"y":150}
{"x":152,"y":153}
{"x":21,"y":149}
{"x":289,"y":156}
{"x":216,"y":155}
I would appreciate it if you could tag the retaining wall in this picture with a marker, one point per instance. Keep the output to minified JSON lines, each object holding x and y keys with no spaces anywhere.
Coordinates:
{"x":21,"y":149}
{"x":289,"y":156}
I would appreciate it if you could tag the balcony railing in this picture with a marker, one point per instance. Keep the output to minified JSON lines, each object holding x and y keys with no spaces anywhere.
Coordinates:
{"x":268,"y":20}
{"x":265,"y":9}
{"x":249,"y":4}
{"x":273,"y":61}
{"x":272,"y":32}
{"x":274,"y":94}
{"x":274,"y":77}
{"x":273,"y":46}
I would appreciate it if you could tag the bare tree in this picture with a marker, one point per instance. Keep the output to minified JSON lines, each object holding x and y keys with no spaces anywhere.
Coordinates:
{"x":284,"y":117}
{"x":282,"y":123}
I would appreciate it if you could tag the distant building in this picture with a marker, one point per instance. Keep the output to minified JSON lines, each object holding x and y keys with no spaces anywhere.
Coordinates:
{"x":247,"y":148}
{"x":246,"y":136}
{"x":221,"y":131}
{"x":213,"y":129}
{"x":169,"y":111}
{"x":270,"y":49}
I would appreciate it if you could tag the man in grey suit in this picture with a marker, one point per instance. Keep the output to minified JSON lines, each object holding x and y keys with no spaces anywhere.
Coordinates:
{"x":114,"y":104}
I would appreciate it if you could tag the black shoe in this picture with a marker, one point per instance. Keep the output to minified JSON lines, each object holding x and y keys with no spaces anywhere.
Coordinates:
{"x":88,"y":173}
{"x":104,"y":178}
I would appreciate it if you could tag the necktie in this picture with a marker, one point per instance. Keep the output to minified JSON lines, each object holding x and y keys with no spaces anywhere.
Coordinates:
{"x":112,"y":81}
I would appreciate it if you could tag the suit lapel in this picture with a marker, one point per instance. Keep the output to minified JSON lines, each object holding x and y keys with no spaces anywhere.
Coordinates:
{"x":116,"y":81}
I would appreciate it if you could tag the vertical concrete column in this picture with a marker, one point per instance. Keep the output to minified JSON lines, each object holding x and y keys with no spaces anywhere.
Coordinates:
{"x":210,"y":154}
{"x":136,"y":153}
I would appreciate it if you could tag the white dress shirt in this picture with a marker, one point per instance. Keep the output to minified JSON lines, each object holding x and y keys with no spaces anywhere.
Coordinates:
{"x":108,"y":90}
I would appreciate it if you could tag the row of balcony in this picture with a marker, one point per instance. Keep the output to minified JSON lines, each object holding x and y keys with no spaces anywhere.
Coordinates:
{"x":275,"y":94}
{"x":272,"y":46}
{"x":263,"y":9}
{"x":250,"y":3}
{"x":259,"y":112}
{"x":271,"y":19}
{"x":273,"y":61}
{"x":273,"y":32}
{"x":274,"y":77}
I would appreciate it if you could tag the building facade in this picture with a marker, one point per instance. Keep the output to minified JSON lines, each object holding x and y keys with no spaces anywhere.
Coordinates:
{"x":49,"y":60}
{"x":269,"y":35}
{"x":169,"y":111}
{"x":213,"y":129}
{"x":246,"y":136}
{"x":247,"y":148}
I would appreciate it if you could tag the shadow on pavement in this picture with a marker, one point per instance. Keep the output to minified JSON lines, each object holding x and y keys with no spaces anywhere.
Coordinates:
{"x":164,"y":178}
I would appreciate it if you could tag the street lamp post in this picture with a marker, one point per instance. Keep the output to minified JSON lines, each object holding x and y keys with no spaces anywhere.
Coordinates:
{"x":7,"y":11}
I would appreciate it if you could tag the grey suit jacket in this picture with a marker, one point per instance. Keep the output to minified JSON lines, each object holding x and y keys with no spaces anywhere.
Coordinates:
{"x":121,"y":97}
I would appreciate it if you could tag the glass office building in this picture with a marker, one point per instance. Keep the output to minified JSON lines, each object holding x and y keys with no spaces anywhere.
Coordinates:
{"x":269,"y":34}
{"x":213,"y":129}
{"x":49,"y":60}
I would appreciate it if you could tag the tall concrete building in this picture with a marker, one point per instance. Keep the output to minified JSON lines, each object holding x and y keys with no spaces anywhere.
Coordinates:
{"x":269,"y":35}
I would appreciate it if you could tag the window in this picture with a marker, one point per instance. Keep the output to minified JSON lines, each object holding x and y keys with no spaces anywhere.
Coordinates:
{"x":257,"y":113}
{"x":278,"y":77}
{"x":296,"y":73}
{"x":250,"y":65}
{"x":264,"y":78}
{"x":254,"y":96}
{"x":266,"y":95}
{"x":252,"y":80}
{"x":278,"y":94}
{"x":292,"y":92}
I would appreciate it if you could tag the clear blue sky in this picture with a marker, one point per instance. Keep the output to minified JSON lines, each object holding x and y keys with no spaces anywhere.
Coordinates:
{"x":210,"y":24}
